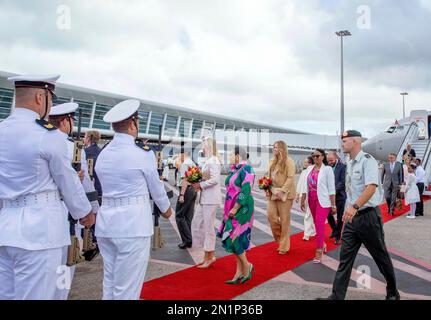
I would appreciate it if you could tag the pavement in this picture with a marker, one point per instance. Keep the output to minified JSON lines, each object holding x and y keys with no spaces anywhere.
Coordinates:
{"x":408,"y":241}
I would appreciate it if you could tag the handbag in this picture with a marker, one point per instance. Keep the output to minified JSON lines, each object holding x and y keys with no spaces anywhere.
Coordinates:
{"x":398,"y":204}
{"x":274,"y":191}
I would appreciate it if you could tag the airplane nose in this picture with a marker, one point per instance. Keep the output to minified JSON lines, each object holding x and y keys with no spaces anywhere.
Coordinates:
{"x":369,"y":146}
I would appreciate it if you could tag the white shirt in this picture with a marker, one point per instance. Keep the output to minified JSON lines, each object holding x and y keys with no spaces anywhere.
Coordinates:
{"x":86,"y":183}
{"x":125,"y":170}
{"x":183,"y":168}
{"x":325,"y":184}
{"x":211,"y":192}
{"x":35,"y":160}
{"x":420,"y":174}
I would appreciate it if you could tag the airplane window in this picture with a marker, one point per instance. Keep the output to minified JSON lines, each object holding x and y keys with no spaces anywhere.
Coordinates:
{"x":391,"y":129}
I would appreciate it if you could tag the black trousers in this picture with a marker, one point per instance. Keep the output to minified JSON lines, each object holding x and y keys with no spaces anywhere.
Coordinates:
{"x":184,"y":213}
{"x":391,"y":194}
{"x":420,"y":205}
{"x":336,"y":226}
{"x":366,"y":228}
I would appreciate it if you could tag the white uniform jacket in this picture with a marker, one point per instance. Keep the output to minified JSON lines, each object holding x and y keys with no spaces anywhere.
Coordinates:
{"x":126,"y":173}
{"x":34,"y":163}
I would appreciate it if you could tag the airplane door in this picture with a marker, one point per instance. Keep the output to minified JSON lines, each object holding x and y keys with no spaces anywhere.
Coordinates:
{"x":421,"y":118}
{"x":429,"y":127}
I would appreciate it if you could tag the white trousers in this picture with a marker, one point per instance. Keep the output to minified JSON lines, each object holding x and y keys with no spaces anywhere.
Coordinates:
{"x":309,"y":228}
{"x":30,"y":275}
{"x":203,"y":231}
{"x":125,"y":262}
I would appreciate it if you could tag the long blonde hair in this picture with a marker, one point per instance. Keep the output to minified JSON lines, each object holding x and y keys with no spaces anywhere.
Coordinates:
{"x":279,"y":162}
{"x":210,"y":145}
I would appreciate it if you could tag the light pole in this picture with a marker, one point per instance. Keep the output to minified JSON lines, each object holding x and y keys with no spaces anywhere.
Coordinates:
{"x":342,"y":34}
{"x":404,"y":103}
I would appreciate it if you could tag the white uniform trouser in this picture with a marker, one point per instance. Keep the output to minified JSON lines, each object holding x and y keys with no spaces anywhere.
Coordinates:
{"x":125,"y":262}
{"x":69,"y":272}
{"x":203,"y":232}
{"x":29,"y":275}
{"x":309,"y":228}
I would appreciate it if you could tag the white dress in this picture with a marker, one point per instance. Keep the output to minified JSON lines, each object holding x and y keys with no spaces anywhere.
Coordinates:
{"x":412,"y":191}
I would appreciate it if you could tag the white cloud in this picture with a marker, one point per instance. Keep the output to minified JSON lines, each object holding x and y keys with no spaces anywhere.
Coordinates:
{"x":271,"y":61}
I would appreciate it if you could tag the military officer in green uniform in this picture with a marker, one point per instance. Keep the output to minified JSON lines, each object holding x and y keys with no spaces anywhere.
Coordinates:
{"x":362,"y":219}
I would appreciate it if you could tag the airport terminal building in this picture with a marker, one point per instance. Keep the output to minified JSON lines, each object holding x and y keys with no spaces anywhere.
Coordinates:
{"x":178,"y":123}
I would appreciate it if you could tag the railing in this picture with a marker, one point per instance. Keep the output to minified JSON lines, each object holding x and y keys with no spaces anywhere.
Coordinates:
{"x":426,"y":164}
{"x":412,"y":135}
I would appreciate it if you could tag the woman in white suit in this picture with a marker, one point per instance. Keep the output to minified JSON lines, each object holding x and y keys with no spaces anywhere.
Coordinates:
{"x":208,"y":201}
{"x":321,"y":197}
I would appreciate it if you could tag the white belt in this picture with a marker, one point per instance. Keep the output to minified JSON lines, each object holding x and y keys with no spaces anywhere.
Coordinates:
{"x":125,"y":201}
{"x":33,"y":199}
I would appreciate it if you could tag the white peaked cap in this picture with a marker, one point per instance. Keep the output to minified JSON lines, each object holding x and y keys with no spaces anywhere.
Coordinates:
{"x":64,"y":108}
{"x":122,"y":111}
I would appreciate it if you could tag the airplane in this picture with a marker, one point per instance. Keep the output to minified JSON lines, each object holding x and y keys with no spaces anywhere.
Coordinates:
{"x":393,"y":138}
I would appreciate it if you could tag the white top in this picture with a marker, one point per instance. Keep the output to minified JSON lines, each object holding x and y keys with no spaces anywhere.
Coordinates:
{"x":183,"y":168}
{"x":420,"y":174}
{"x":35,"y":160}
{"x":301,"y":187}
{"x":325,"y":184}
{"x":86,"y":183}
{"x":405,"y":173}
{"x":412,"y":191}
{"x":211,"y":191}
{"x":125,"y":170}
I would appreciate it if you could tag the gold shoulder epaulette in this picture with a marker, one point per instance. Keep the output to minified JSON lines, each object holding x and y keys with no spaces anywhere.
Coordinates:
{"x":48,"y":126}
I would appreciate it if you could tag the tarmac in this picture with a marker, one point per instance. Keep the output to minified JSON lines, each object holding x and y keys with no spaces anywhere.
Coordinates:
{"x":408,"y":241}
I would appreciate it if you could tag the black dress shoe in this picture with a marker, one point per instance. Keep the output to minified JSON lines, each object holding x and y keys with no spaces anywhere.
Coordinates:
{"x":184,"y":245}
{"x":337,"y":241}
{"x":396,"y":297}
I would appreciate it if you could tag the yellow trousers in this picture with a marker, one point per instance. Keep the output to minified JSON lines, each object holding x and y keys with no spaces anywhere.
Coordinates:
{"x":279,"y":220}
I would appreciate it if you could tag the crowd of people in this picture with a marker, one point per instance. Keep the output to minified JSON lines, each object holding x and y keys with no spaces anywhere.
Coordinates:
{"x":404,"y":180}
{"x":40,"y":189}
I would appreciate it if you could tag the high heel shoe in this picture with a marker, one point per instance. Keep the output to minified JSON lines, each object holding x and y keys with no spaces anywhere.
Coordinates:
{"x":325,"y":249}
{"x":244,"y":279}
{"x":318,"y":257}
{"x":234,"y":281}
{"x":206,"y":263}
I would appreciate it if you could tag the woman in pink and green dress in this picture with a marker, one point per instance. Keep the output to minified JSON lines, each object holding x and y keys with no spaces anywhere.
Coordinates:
{"x":235,"y":231}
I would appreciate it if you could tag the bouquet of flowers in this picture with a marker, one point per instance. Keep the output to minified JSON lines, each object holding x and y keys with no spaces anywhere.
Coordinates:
{"x":193,"y":175}
{"x":265,"y":183}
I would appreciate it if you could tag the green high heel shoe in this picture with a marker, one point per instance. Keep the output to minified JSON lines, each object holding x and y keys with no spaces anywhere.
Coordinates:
{"x":244,"y":279}
{"x":234,"y":281}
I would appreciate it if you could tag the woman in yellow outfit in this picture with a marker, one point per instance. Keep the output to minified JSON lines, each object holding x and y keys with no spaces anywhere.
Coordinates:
{"x":281,"y":195}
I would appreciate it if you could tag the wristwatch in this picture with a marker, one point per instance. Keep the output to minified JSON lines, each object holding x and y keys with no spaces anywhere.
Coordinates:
{"x":355,"y":206}
{"x":181,"y":195}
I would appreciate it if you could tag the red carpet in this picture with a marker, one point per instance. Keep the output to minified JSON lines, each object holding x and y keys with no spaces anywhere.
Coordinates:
{"x":198,"y":284}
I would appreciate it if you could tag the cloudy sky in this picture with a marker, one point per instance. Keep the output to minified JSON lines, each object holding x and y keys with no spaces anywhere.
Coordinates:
{"x":272,"y":61}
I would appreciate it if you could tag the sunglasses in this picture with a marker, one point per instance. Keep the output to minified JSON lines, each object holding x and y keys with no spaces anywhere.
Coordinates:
{"x":315,"y":156}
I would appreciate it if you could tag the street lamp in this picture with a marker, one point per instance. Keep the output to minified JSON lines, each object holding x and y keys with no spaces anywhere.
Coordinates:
{"x":404,"y":104}
{"x":342,"y":34}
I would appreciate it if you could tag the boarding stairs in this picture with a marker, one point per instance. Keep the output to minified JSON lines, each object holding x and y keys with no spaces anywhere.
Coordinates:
{"x":422,"y":148}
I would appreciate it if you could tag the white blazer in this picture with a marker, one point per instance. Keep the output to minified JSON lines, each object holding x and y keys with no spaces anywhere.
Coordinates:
{"x":211,"y":191}
{"x":325,"y":185}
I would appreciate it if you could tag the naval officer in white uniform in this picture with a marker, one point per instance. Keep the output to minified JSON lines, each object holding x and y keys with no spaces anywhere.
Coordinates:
{"x":62,"y":117}
{"x":35,"y":172}
{"x":128,"y":175}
